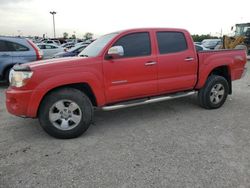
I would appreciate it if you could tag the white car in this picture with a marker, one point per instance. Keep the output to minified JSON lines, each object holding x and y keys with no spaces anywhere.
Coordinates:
{"x":200,"y":47}
{"x":49,"y":50}
{"x":211,"y":43}
{"x":56,"y":42}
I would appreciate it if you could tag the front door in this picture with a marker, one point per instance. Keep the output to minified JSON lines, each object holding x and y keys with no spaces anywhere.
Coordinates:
{"x":134,"y":75}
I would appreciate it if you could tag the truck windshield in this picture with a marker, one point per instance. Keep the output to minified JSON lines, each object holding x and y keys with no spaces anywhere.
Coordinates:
{"x":241,"y":30}
{"x":96,"y":47}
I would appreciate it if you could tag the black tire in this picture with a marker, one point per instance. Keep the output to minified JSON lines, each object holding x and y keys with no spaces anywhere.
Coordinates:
{"x":207,"y":96}
{"x":6,"y":75}
{"x":66,"y":94}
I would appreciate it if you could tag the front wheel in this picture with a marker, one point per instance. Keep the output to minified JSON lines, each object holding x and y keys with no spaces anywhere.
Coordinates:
{"x":65,"y":113}
{"x":214,"y":94}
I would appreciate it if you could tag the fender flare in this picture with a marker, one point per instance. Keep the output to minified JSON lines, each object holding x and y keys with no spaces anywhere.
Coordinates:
{"x":54,"y":82}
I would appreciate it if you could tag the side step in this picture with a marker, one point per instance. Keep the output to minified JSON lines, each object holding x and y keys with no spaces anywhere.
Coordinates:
{"x":147,"y":101}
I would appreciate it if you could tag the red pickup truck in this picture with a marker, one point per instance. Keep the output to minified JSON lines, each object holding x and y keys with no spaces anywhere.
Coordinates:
{"x":118,"y":70}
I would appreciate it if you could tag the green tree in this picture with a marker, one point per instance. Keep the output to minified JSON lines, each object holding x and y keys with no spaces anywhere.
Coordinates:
{"x":88,"y":36}
{"x":73,"y":36}
{"x":199,"y":38}
{"x":65,"y":35}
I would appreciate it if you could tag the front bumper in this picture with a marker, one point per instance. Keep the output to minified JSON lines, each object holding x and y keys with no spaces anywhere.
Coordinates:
{"x":17,"y":101}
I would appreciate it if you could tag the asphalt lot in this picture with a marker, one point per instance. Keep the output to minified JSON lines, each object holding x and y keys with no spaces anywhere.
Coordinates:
{"x":168,"y":144}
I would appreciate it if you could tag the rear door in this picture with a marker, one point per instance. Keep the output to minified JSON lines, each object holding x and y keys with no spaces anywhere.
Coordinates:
{"x":5,"y":56}
{"x":177,"y":62}
{"x":135,"y":74}
{"x":21,"y":53}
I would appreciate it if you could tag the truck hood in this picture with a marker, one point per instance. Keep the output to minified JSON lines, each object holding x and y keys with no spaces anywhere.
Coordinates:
{"x":57,"y":63}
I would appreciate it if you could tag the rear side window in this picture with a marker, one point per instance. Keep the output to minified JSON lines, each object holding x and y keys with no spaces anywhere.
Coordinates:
{"x":17,"y":47}
{"x":7,"y":46}
{"x":135,"y":44}
{"x":3,"y":46}
{"x":171,"y":42}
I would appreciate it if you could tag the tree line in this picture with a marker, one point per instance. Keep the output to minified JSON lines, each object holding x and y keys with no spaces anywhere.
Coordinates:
{"x":199,"y":38}
{"x":89,"y":35}
{"x":86,"y":36}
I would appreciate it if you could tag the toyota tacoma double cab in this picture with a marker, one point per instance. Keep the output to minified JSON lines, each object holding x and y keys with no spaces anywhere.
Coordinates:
{"x":121,"y":69}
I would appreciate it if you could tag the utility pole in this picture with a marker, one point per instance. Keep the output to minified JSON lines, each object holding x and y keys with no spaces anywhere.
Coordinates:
{"x":53,"y":14}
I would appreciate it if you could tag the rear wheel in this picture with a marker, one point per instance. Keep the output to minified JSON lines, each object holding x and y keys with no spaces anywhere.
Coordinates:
{"x":66,"y":113}
{"x":214,"y":93}
{"x":7,"y":75}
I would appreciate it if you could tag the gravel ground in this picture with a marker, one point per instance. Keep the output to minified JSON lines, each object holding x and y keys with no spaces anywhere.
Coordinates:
{"x":169,"y":144}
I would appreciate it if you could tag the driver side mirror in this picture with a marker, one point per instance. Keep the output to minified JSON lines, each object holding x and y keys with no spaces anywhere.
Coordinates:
{"x":116,"y":52}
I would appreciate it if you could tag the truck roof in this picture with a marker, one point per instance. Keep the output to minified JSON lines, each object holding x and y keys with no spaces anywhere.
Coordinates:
{"x":152,"y":29}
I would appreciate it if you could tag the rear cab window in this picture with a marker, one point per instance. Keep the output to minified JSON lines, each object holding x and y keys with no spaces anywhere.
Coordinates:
{"x":171,"y":42}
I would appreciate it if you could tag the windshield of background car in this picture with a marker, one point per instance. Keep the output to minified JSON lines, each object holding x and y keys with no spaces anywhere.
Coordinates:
{"x":74,"y":48}
{"x":96,"y":47}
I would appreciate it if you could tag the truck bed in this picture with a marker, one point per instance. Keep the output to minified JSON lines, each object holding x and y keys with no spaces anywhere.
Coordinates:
{"x":233,"y":60}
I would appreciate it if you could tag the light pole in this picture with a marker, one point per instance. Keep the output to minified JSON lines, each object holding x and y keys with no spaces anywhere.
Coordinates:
{"x":53,"y":14}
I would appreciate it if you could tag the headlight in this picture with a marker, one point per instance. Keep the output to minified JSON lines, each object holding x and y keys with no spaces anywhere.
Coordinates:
{"x":19,"y":78}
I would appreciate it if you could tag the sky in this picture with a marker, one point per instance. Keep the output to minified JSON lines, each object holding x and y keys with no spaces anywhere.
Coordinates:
{"x":32,"y":17}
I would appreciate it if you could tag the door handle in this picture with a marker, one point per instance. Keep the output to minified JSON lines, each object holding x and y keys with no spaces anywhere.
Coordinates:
{"x":189,"y":59}
{"x":150,"y":63}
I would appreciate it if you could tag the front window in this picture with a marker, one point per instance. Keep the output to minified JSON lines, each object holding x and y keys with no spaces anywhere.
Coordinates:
{"x":135,"y":44}
{"x":96,"y":47}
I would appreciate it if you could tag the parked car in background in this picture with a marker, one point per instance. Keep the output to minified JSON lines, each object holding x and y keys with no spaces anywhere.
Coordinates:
{"x":68,"y":45}
{"x":200,"y":47}
{"x":83,"y":43}
{"x":211,"y":43}
{"x":199,"y":43}
{"x":71,"y":52}
{"x":49,"y":50}
{"x":55,"y":42}
{"x":16,"y":50}
{"x":74,"y":40}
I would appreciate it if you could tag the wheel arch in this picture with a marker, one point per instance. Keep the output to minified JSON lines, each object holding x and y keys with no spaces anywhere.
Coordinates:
{"x":96,"y":97}
{"x":223,"y":71}
{"x":83,"y":87}
{"x":220,"y":70}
